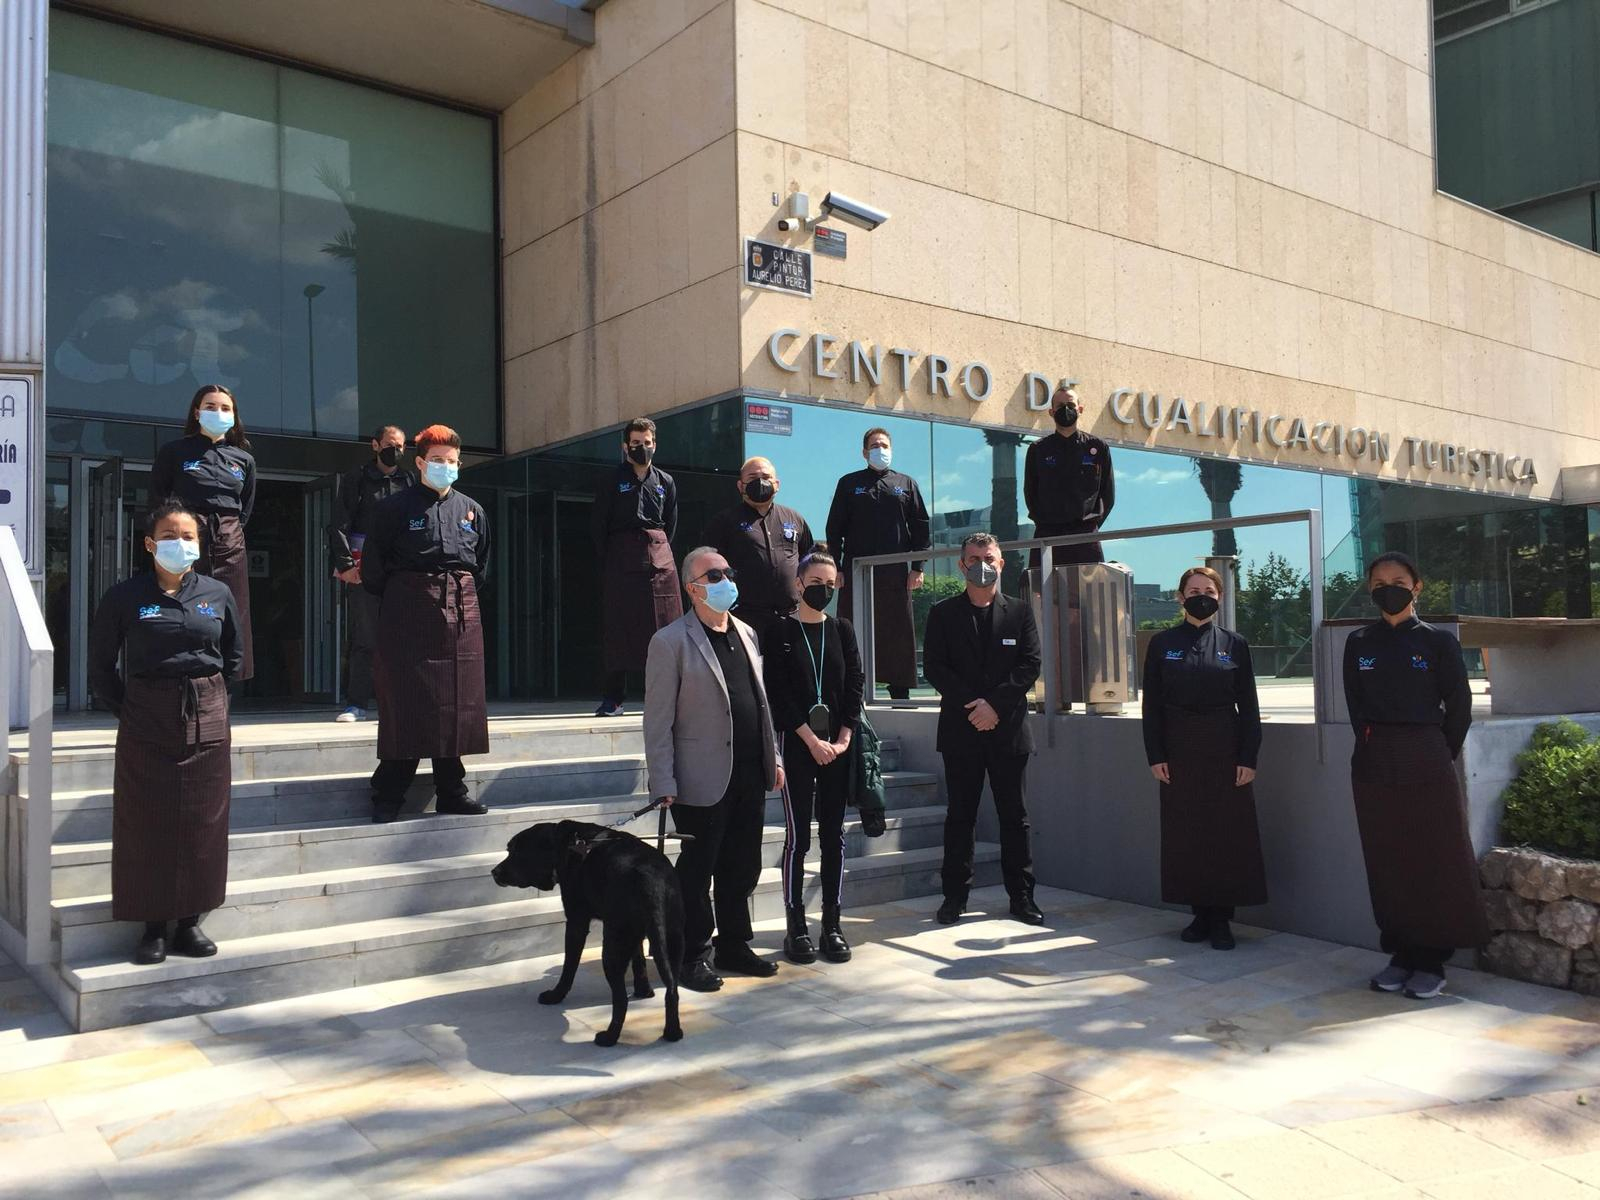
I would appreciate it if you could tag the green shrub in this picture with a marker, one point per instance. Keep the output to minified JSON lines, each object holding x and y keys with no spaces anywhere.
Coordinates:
{"x":1554,"y":802}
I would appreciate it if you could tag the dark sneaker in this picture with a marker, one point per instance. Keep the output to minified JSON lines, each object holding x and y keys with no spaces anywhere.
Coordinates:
{"x":1390,"y":979}
{"x":1196,"y":930}
{"x":950,"y":912}
{"x":1424,"y":985}
{"x":739,"y":959}
{"x":1025,"y":910}
{"x":698,"y":976}
{"x":459,"y":806}
{"x":1222,"y":936}
{"x":191,"y":942}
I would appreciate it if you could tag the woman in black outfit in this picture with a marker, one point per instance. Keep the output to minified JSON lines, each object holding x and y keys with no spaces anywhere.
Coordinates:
{"x":211,"y":471}
{"x":814,"y":682}
{"x":1406,"y":688}
{"x":176,"y":632}
{"x":1202,"y":733}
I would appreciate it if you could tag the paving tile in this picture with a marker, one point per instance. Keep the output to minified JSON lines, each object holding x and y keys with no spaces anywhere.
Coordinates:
{"x":31,"y":1119}
{"x":674,"y":1099}
{"x":1528,"y":1182}
{"x":1582,"y":1102}
{"x":1585,"y":1168}
{"x":29,"y":1161}
{"x":1352,"y":1099}
{"x":1158,"y":1174}
{"x":1016,"y":1185}
{"x":187,"y":1128}
{"x":1259,"y":1167}
{"x":1550,"y":1033}
{"x":1525,"y":1126}
{"x":188,"y":1089}
{"x":99,"y":1074}
{"x":295,"y":1161}
{"x":1412,"y":1146}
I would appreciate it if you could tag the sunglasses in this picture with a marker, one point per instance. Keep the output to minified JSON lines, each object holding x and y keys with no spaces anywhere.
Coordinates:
{"x":715,"y":575}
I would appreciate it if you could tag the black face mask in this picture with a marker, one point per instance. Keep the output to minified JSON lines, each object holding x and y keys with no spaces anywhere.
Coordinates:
{"x":641,"y":454}
{"x":1066,"y":416}
{"x":759,"y":490}
{"x":817,"y":595}
{"x":389,"y":455}
{"x":1201,"y":607}
{"x":1392,"y":598}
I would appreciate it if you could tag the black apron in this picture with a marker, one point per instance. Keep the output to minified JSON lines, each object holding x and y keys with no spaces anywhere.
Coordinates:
{"x":1421,"y":869}
{"x":429,"y":666}
{"x":1210,"y":844}
{"x":223,"y":557}
{"x":892,"y":626}
{"x":640,"y":593}
{"x":169,"y":834}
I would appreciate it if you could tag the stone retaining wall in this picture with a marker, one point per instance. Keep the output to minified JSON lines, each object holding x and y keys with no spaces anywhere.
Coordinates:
{"x":1544,"y":912}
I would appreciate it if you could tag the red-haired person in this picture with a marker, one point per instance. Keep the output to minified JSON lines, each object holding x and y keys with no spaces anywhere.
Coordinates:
{"x":1202,"y":733}
{"x":211,"y":472}
{"x":426,"y":551}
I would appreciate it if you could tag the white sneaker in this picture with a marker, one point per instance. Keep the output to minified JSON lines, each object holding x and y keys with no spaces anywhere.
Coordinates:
{"x":1390,"y":979}
{"x":354,"y":713}
{"x":1424,"y":985}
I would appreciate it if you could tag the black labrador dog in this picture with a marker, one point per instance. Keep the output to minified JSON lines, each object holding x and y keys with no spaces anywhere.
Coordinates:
{"x":628,"y":885}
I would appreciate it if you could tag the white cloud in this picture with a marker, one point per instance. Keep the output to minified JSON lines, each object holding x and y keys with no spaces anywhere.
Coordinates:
{"x":1159,"y":476}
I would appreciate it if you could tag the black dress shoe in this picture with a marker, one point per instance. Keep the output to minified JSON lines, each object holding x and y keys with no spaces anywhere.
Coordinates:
{"x":1197,"y":930}
{"x":191,"y":942}
{"x":950,"y":912}
{"x":739,"y":959}
{"x":1221,"y":936}
{"x":383,"y":813}
{"x":459,"y":806}
{"x":151,"y":950}
{"x":698,"y":976}
{"x":1025,"y":910}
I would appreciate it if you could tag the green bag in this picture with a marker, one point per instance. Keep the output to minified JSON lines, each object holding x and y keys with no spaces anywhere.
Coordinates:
{"x":866,"y":777}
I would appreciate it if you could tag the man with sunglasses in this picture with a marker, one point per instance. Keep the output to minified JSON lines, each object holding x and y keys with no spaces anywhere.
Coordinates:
{"x":712,"y":756}
{"x":764,"y":541}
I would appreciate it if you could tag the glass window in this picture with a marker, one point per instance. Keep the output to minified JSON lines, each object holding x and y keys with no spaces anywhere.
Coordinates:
{"x":326,"y":250}
{"x":1570,"y":218}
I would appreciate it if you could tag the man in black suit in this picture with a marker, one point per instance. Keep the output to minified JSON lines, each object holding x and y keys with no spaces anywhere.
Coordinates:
{"x":981,"y":652}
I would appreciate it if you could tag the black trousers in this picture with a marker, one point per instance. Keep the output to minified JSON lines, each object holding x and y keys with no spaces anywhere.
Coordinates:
{"x":964,"y":772}
{"x":361,"y":606}
{"x":1414,"y":958}
{"x":812,"y":790}
{"x":1213,"y":912}
{"x":394,"y":776}
{"x":1084,"y":552}
{"x":726,"y":850}
{"x":615,"y":690}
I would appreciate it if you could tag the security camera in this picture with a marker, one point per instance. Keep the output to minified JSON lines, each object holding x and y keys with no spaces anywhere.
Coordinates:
{"x":852,"y":212}
{"x":799,"y":213}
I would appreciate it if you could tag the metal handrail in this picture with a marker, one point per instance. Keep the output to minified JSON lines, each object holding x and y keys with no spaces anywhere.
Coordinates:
{"x":862,"y":597}
{"x":31,"y":692}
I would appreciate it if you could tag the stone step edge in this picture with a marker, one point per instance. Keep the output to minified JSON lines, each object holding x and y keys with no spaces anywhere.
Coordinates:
{"x":270,"y":889}
{"x":245,"y":954}
{"x":91,"y":851}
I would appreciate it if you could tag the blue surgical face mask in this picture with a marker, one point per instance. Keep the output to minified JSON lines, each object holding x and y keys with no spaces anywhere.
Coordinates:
{"x":214,"y":423}
{"x":176,"y":555}
{"x":440,"y":475}
{"x":722,"y":595}
{"x":880,"y":457}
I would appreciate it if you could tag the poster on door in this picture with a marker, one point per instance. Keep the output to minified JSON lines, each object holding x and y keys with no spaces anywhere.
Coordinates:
{"x":18,"y":464}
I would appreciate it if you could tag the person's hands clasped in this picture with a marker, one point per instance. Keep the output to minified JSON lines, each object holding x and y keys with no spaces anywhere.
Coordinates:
{"x":982,"y":716}
{"x":1161,"y":771}
{"x":353,"y":575}
{"x":822,"y":753}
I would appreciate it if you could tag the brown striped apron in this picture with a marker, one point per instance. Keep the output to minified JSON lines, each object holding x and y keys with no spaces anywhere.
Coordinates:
{"x":1421,"y":870}
{"x":1210,"y":843}
{"x":224,"y":558}
{"x":429,"y":667}
{"x":169,"y":832}
{"x":640,"y":592}
{"x":895,"y":645}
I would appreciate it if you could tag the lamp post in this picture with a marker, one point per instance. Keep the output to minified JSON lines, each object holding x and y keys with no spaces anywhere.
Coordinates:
{"x":311,"y":292}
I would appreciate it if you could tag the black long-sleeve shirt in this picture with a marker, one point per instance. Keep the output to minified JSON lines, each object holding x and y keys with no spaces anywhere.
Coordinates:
{"x":1201,"y":668}
{"x":187,"y":635}
{"x":419,"y":530}
{"x":876,"y":512}
{"x":360,"y":493}
{"x":212,"y":478}
{"x":624,"y":501}
{"x":790,"y":662}
{"x":764,"y":552}
{"x":1407,"y":674}
{"x":1067,"y":480}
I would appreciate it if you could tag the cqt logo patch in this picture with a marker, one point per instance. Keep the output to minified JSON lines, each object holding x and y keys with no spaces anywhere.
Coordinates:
{"x":788,"y":532}
{"x":624,"y":487}
{"x":861,"y":491}
{"x":417,"y":523}
{"x":236,"y":470}
{"x":899,"y":491}
{"x":1419,"y":663}
{"x":1174,"y":655}
{"x":1049,"y":460}
{"x":194,"y":464}
{"x":205,"y":610}
{"x":1366,"y":664}
{"x":466,"y":523}
{"x":1225,"y":657}
{"x":148,"y":612}
{"x":1089,"y":460}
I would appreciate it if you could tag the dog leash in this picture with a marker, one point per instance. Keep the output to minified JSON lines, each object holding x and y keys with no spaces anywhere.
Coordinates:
{"x":661,"y":828}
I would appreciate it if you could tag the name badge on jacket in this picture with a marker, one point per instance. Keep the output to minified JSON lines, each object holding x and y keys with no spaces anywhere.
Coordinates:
{"x":1008,"y":641}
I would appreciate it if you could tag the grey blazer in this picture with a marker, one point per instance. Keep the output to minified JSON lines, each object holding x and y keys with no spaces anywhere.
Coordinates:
{"x":688,"y":724}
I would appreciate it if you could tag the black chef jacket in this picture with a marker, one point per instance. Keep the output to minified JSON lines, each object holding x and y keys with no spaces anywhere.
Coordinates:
{"x":1407,"y":674}
{"x":212,"y":478}
{"x":1067,"y":480}
{"x":188,"y":635}
{"x":876,"y":512}
{"x":360,"y":492}
{"x":419,"y":530}
{"x":1201,"y":668}
{"x":764,"y":552}
{"x":624,"y":501}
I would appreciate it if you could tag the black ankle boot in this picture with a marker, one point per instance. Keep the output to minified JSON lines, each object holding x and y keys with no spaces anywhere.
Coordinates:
{"x":190,"y":941}
{"x":152,"y":947}
{"x":797,"y":944}
{"x":834,"y":947}
{"x":1197,"y":930}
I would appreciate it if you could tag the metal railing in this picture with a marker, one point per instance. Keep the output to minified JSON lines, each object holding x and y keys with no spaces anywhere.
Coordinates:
{"x":862,"y":584}
{"x":27,"y":663}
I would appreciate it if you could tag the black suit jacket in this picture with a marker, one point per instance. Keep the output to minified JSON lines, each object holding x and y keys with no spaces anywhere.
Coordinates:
{"x":961,"y":671}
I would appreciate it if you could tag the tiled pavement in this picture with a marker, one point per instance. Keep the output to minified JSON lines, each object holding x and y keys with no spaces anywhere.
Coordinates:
{"x":1097,"y":1057}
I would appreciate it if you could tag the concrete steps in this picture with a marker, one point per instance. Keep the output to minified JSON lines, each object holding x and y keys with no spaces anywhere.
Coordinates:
{"x":320,"y":898}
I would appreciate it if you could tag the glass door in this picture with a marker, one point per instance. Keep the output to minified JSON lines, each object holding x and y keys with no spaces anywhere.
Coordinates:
{"x":324,"y":595}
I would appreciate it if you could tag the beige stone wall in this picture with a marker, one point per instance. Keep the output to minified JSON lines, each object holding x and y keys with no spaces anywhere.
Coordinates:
{"x":620,"y":257}
{"x":1228,"y":200}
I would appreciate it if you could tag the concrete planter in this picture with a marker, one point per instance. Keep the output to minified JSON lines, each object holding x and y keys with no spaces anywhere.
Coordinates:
{"x":1544,"y":912}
